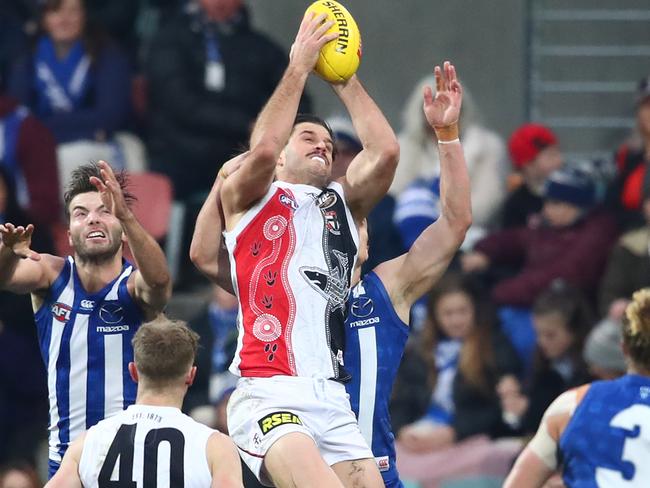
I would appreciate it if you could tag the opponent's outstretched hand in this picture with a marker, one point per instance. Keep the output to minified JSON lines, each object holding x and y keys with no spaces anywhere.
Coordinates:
{"x":19,"y":240}
{"x":310,"y":39}
{"x":443,"y":108}
{"x":110,"y":192}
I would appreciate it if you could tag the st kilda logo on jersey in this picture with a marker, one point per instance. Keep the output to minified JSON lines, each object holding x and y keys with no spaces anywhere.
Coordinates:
{"x":61,"y":312}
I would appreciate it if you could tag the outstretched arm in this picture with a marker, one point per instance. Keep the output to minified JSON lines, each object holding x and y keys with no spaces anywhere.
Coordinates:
{"x":274,"y":124}
{"x":371,"y":172}
{"x":150,"y":284}
{"x":409,"y":276}
{"x":538,"y":461}
{"x":207,"y":251}
{"x":23,"y":270}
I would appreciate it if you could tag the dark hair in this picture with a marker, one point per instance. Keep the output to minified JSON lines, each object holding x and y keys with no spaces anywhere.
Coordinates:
{"x":80,"y":183}
{"x":164,"y":349}
{"x":314,"y":119}
{"x":477,"y":355}
{"x":93,"y":36}
{"x":636,"y":329}
{"x":569,"y":302}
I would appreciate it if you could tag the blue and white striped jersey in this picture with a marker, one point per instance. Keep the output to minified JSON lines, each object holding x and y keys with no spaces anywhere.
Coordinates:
{"x":375,"y":339}
{"x":85,"y":341}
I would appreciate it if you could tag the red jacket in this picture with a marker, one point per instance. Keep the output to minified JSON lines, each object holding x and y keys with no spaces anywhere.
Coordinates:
{"x":577,"y":253}
{"x":36,"y":155}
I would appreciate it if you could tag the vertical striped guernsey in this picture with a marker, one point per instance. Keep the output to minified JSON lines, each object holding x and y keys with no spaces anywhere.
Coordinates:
{"x":375,"y":338}
{"x":85,"y":341}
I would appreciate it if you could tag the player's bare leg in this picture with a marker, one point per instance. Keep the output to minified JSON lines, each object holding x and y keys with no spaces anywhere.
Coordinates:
{"x":359,"y":473}
{"x":293,"y":461}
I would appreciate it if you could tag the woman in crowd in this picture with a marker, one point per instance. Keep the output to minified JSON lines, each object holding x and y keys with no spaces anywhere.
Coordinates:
{"x":562,"y":320}
{"x":465,"y":356}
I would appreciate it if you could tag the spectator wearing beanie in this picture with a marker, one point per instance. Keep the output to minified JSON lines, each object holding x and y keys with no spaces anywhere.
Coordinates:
{"x":570,"y":241}
{"x":534,"y":154}
{"x":632,"y":158}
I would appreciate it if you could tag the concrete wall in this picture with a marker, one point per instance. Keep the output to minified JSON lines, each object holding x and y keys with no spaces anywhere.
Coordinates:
{"x":402,"y":39}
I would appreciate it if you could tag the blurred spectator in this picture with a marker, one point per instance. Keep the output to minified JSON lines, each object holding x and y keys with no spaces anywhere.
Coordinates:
{"x":416,"y":183}
{"x":19,"y":475}
{"x":571,"y":241}
{"x":23,"y":393}
{"x":535,"y":154}
{"x":463,"y":356}
{"x":562,"y":320}
{"x":632,"y":159}
{"x":381,"y":229}
{"x":28,"y":156}
{"x":603,"y":351}
{"x":78,"y":83}
{"x":209,"y":75}
{"x":628,"y":268}
{"x":118,"y":18}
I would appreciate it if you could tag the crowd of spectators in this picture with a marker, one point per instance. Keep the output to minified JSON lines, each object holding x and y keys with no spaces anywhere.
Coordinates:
{"x":531,"y":307}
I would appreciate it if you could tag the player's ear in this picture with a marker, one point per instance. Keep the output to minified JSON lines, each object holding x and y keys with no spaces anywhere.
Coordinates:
{"x":191,"y":375}
{"x":133,"y":371}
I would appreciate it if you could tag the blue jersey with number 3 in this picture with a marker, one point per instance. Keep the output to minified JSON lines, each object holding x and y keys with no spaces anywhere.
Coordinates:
{"x":607,"y":440}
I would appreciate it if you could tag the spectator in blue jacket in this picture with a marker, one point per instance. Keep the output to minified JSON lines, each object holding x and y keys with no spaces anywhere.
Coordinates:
{"x":75,"y":81}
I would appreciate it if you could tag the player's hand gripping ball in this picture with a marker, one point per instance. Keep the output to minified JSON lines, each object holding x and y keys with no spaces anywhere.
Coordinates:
{"x":338,"y":59}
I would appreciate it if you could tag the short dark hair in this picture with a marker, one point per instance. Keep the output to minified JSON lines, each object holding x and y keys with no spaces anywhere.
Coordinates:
{"x":164,"y":349}
{"x":80,"y":183}
{"x":314,"y":119}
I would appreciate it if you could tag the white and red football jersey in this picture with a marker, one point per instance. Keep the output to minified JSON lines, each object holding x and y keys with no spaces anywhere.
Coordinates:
{"x":292,"y":257}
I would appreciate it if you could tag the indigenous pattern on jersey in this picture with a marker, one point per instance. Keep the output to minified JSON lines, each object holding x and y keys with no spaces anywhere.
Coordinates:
{"x":85,"y":341}
{"x":375,"y":341}
{"x":607,"y":441}
{"x":146,"y":446}
{"x":291,"y":258}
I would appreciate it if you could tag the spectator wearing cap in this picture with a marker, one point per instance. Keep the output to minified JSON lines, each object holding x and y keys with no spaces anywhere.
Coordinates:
{"x":570,"y":241}
{"x":628,"y":267}
{"x":535,"y":154}
{"x":632,"y":158}
{"x":603,"y":351}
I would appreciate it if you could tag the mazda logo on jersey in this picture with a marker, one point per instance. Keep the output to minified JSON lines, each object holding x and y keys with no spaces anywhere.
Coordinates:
{"x":271,"y":421}
{"x":362,"y":307}
{"x":111,"y":313}
{"x":61,"y":312}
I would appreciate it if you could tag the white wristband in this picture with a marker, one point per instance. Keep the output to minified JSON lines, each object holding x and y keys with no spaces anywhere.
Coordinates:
{"x":449,"y":142}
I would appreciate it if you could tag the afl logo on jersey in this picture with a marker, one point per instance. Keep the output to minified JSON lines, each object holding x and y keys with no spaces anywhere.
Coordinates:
{"x":362,"y":307}
{"x":287,"y":201}
{"x":111,"y":313}
{"x":61,"y":312}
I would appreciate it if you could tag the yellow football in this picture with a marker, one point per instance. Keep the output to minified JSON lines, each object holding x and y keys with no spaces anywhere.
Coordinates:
{"x":338,"y":59}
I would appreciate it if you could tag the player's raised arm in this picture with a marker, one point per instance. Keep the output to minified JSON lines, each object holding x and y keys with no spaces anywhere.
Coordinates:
{"x":207,"y":251}
{"x":274,"y":124}
{"x":23,"y":270}
{"x":409,"y":276}
{"x":371,"y":172}
{"x":151,"y":283}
